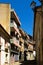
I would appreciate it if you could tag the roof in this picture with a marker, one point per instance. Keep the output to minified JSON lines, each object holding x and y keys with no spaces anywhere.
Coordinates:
{"x":15,"y":17}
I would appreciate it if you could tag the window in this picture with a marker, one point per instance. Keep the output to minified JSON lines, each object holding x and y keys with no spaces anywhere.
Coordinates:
{"x":6,"y":50}
{"x":6,"y":60}
{"x":6,"y":55}
{"x":17,"y":36}
{"x":12,"y":33}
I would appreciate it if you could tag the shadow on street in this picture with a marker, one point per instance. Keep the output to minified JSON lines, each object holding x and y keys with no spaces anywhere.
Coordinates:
{"x":29,"y":62}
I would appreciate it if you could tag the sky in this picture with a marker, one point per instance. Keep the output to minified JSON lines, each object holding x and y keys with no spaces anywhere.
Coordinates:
{"x":24,"y":12}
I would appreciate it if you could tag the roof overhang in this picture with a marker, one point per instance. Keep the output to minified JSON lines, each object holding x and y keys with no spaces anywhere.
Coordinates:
{"x":13,"y":29}
{"x":4,"y":34}
{"x":15,"y":17}
{"x":22,"y":32}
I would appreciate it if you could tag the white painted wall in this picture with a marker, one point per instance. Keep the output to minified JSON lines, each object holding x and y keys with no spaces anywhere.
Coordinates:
{"x":30,"y":56}
{"x":8,"y":54}
{"x":2,"y":52}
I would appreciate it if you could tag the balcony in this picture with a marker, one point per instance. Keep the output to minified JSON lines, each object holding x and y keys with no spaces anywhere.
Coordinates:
{"x":14,"y":28}
{"x":21,"y":40}
{"x":15,"y":42}
{"x":22,"y":49}
{"x":30,"y":47}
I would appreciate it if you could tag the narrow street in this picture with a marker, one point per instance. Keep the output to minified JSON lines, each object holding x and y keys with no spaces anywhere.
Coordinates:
{"x":29,"y":62}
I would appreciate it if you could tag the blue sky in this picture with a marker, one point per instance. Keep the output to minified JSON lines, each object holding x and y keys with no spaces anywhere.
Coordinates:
{"x":24,"y":12}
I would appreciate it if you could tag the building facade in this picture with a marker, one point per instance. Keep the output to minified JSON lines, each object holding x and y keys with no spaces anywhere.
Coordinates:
{"x":15,"y":46}
{"x":29,"y":47}
{"x":5,"y":34}
{"x":21,"y":57}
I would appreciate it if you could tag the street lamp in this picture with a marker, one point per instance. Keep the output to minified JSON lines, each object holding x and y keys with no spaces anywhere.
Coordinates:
{"x":41,"y":1}
{"x":33,"y":5}
{"x":41,"y":4}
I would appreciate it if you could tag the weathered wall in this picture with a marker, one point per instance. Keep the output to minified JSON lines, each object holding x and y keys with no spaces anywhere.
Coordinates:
{"x":38,"y":34}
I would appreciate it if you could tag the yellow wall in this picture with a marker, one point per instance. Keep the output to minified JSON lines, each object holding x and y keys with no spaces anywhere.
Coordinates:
{"x":5,"y":16}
